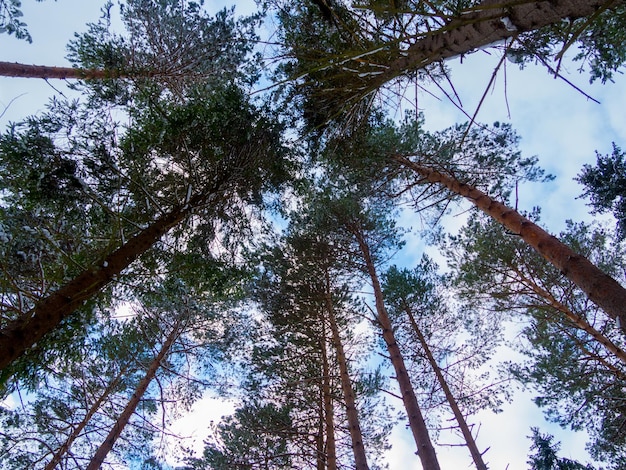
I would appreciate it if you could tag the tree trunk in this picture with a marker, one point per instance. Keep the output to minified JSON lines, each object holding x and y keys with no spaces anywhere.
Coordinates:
{"x":354,"y":426}
{"x":601,"y":288}
{"x":425,"y":448}
{"x":131,"y":406}
{"x":61,"y":451}
{"x":458,"y":415}
{"x":13,"y":69}
{"x":20,"y":334}
{"x":330,"y":451}
{"x":479,"y":26}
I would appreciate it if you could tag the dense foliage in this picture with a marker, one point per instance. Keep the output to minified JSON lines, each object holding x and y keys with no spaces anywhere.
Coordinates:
{"x":208,"y":241}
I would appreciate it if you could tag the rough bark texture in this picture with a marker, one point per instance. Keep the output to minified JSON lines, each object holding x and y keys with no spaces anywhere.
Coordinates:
{"x":58,"y":455}
{"x":491,"y":21}
{"x":425,"y":448}
{"x":20,"y":334}
{"x":454,"y":406}
{"x":14,"y":69}
{"x":358,"y":448}
{"x":601,"y":288}
{"x":131,"y":406}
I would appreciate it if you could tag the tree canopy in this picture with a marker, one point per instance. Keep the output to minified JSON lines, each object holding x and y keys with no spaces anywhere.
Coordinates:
{"x":222,"y":212}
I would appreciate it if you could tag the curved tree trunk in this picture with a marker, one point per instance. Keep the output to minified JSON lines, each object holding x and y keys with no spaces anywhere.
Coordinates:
{"x":354,"y":426}
{"x":425,"y":448}
{"x":131,"y":406}
{"x":458,"y":415}
{"x":601,"y":288}
{"x":486,"y":23}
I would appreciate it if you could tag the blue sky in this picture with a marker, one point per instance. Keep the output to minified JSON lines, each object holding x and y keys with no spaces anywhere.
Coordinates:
{"x":556,"y":123}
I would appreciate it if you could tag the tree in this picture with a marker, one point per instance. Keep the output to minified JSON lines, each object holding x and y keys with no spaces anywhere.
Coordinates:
{"x":167,"y":44}
{"x":361,"y":228}
{"x":414,"y":295}
{"x":255,"y":437}
{"x":496,"y":269}
{"x":56,"y":426}
{"x":340,"y":66}
{"x":605,"y":185}
{"x":14,"y":69}
{"x":123,"y":419}
{"x":136,"y":376}
{"x":602,"y":289}
{"x":575,"y":353}
{"x":64,"y":207}
{"x":302,"y":292}
{"x":218,"y":175}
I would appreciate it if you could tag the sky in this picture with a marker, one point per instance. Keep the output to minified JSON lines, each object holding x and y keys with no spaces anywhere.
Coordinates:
{"x":556,"y":123}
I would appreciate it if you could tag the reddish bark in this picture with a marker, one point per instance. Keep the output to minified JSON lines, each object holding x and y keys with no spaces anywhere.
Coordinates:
{"x":358,"y":448}
{"x":131,"y":406}
{"x":454,"y":406}
{"x":13,"y":69}
{"x":61,"y":451}
{"x":601,"y":288}
{"x":425,"y":448}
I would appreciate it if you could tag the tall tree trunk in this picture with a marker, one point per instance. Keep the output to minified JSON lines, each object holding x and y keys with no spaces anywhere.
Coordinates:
{"x":458,"y":415}
{"x":131,"y":406}
{"x":20,"y":334}
{"x":425,"y":448}
{"x":480,"y":25}
{"x":13,"y":69}
{"x":61,"y":451}
{"x":330,"y":451}
{"x":601,"y":288}
{"x":354,"y":426}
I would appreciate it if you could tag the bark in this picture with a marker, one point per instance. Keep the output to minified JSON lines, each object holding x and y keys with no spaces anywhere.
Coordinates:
{"x":354,"y":426}
{"x":61,"y":451}
{"x":458,"y":415}
{"x":330,"y":451}
{"x":601,"y":288}
{"x":489,"y":22}
{"x":22,"y":333}
{"x":131,"y":406}
{"x":425,"y":448}
{"x":14,"y":69}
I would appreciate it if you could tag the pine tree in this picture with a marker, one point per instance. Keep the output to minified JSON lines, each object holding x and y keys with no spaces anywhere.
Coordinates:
{"x":344,"y":55}
{"x":215,"y":182}
{"x":432,"y":332}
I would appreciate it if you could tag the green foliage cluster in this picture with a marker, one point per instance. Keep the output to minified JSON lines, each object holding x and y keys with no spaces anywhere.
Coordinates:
{"x":605,"y":185}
